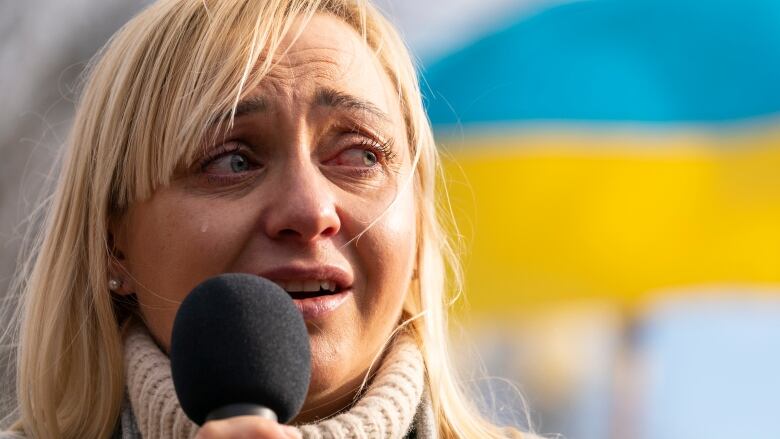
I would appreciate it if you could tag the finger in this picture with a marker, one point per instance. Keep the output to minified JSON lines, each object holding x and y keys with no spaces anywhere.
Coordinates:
{"x":292,"y":432}
{"x":246,"y":427}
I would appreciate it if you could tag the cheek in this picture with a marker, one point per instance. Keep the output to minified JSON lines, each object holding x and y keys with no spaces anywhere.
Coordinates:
{"x":180,"y":237}
{"x":174,"y":243}
{"x":387,"y":254}
{"x":400,"y":222}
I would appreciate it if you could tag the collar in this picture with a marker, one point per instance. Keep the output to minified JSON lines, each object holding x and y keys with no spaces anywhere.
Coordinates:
{"x":395,"y":404}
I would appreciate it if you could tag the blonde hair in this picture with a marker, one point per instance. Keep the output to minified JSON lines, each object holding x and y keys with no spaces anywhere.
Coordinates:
{"x":156,"y":87}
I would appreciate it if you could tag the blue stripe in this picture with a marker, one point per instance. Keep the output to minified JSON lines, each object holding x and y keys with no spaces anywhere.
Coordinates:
{"x":617,"y":60}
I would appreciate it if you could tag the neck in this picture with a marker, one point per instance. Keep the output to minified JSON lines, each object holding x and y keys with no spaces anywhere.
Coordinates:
{"x":388,"y":405}
{"x":323,"y":405}
{"x":326,"y":405}
{"x":332,"y":401}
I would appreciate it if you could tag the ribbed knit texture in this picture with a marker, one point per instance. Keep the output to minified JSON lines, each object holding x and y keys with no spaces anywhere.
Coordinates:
{"x":388,"y":406}
{"x":386,"y":410}
{"x":150,"y":389}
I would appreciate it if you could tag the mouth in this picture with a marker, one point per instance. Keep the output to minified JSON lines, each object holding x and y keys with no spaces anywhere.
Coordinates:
{"x":316,"y":290}
{"x":309,"y":288}
{"x":315,"y":299}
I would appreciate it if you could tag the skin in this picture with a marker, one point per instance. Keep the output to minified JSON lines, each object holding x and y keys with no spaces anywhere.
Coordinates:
{"x":294,"y":184}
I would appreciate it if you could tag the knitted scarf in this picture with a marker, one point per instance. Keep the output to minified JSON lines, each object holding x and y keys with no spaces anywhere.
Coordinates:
{"x":392,"y":405}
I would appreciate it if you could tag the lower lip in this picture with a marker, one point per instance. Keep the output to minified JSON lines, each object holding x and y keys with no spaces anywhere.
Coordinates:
{"x":316,"y":307}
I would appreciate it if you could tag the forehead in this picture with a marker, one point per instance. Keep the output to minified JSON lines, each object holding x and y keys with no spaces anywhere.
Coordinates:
{"x":328,"y":53}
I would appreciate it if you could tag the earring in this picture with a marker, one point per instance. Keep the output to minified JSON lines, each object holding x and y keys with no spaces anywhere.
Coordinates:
{"x":114,"y":284}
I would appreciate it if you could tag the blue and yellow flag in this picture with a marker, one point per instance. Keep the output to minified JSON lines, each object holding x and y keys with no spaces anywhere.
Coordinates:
{"x":615,"y":147}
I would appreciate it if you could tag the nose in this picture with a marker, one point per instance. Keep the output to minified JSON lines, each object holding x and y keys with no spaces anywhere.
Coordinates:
{"x":303,"y":207}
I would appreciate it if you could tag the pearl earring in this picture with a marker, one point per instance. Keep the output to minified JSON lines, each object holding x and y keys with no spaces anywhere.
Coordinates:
{"x":114,"y":284}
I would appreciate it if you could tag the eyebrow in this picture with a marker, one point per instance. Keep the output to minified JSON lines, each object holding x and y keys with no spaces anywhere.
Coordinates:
{"x":325,"y":97}
{"x":329,"y":97}
{"x":251,"y":105}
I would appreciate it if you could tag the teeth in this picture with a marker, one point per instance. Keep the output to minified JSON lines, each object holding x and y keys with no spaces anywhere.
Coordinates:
{"x":308,"y":285}
{"x":311,"y":286}
{"x":295,"y":285}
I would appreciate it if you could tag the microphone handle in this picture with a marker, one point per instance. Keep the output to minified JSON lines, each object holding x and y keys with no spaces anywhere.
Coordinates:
{"x":233,"y":410}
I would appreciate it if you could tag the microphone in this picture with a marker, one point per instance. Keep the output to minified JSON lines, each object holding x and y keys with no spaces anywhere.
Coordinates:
{"x":240,"y":347}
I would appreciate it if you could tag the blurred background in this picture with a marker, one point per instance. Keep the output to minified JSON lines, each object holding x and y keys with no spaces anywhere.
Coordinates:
{"x":614,"y":169}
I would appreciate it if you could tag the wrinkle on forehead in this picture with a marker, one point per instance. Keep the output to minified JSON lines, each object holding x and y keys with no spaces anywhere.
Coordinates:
{"x":329,"y":52}
{"x":323,"y":63}
{"x":315,"y":67}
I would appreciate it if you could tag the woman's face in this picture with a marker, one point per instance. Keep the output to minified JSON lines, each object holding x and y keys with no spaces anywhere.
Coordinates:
{"x":317,"y":153}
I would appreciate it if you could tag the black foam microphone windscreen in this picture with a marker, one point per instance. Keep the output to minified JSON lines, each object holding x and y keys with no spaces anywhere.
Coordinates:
{"x":239,"y":339}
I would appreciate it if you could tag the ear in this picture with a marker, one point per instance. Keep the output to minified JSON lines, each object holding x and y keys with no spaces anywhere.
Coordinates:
{"x":117,"y":263}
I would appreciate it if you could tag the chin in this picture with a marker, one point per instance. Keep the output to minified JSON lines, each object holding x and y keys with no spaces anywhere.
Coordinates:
{"x":331,"y":363}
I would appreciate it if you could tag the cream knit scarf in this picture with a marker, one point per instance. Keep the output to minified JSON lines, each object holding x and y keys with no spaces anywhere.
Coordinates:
{"x":388,"y":409}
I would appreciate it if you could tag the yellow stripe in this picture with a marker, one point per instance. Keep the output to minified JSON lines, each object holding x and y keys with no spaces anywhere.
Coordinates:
{"x":614,"y":217}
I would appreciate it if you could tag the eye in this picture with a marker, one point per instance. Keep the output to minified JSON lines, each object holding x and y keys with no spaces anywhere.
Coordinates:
{"x":357,"y":157}
{"x":238,"y":163}
{"x":365,"y":154}
{"x":228,"y":162}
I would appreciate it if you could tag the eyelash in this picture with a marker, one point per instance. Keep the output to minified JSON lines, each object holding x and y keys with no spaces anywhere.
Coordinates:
{"x":216,"y":154}
{"x":384,"y":150}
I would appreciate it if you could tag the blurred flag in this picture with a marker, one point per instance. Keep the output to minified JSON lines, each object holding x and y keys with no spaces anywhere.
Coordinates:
{"x":614,"y":147}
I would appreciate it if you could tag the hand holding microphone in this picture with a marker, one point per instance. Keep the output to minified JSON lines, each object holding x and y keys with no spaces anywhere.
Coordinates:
{"x":250,"y":427}
{"x":240,"y":357}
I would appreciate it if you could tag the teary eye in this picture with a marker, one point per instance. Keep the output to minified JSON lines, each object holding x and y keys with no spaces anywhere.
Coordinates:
{"x":369,"y":158}
{"x":365,"y":153}
{"x":233,"y":162}
{"x":238,"y":162}
{"x":230,"y":163}
{"x":357,"y":157}
{"x":230,"y":158}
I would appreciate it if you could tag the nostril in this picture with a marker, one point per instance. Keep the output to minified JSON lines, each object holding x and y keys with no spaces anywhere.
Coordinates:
{"x":288,"y":233}
{"x":330,"y":231}
{"x":293,"y":233}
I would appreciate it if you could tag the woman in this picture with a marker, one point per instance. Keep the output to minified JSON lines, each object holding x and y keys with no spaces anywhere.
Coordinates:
{"x":283,"y":138}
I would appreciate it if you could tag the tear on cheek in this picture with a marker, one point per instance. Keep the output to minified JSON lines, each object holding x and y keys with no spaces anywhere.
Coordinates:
{"x":204,"y":227}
